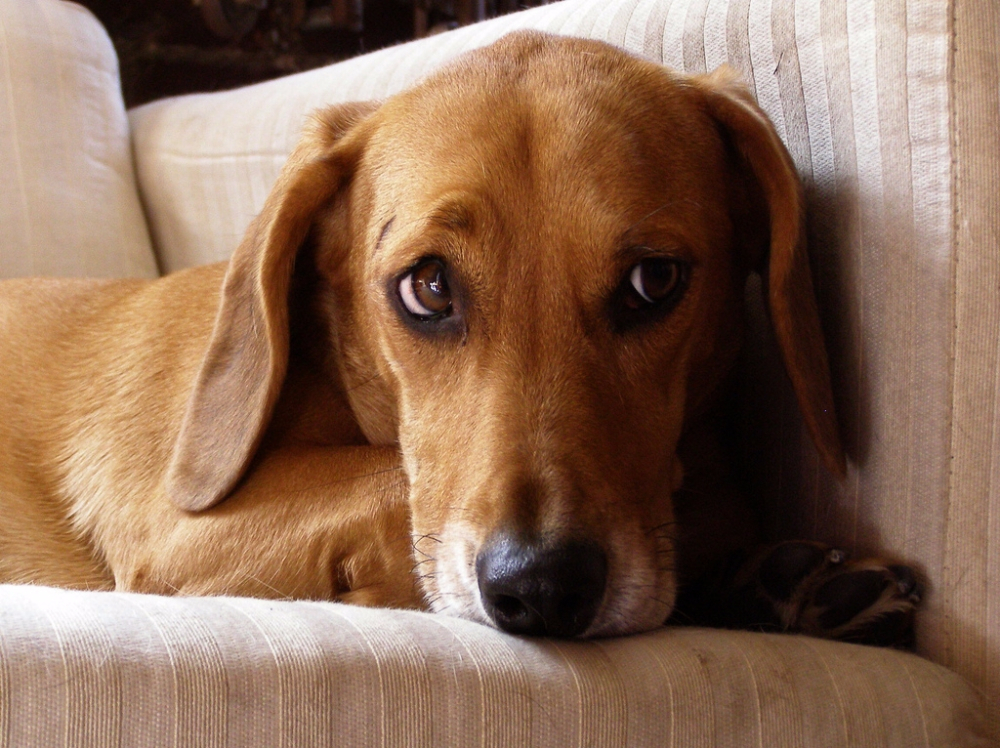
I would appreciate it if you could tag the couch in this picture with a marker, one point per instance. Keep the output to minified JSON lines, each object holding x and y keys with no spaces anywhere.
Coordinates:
{"x":892,"y":113}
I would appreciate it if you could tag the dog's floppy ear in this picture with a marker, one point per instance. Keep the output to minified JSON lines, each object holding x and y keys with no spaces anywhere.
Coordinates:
{"x":244,"y":366}
{"x":783,"y":262}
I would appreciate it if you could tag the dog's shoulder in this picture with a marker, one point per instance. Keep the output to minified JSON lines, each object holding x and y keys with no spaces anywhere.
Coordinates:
{"x":44,"y":302}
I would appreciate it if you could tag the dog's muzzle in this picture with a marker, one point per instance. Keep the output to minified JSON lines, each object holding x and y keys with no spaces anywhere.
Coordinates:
{"x":543,"y":588}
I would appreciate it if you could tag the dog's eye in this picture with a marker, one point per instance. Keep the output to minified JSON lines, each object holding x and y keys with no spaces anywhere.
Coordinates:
{"x":424,"y":291}
{"x":655,"y":280}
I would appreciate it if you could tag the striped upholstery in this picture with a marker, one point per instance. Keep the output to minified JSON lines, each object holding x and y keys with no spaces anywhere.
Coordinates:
{"x":890,"y":111}
{"x":108,"y":669}
{"x":967,"y":634}
{"x":68,"y":202}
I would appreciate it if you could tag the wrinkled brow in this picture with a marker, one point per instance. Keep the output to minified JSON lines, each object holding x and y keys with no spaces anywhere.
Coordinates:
{"x":452,"y":214}
{"x":384,"y":233}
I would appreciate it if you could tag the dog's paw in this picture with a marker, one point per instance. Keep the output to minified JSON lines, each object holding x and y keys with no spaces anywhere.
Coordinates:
{"x":814,"y":589}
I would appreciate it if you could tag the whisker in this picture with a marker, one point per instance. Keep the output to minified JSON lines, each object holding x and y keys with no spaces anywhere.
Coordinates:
{"x":662,"y":207}
{"x":658,"y":601}
{"x":662,"y":527}
{"x":682,"y":617}
{"x":415,"y":540}
{"x":253,"y":578}
{"x":418,"y":538}
{"x":364,"y":383}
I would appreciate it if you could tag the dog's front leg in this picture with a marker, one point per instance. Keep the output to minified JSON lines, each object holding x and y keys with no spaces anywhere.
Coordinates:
{"x":731,"y":578}
{"x":328,"y":523}
{"x":793,"y":586}
{"x":810,"y":588}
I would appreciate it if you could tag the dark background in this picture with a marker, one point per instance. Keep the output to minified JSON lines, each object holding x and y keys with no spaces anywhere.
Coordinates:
{"x":168,"y":47}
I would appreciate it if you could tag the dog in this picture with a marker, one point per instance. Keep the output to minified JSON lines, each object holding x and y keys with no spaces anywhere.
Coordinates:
{"x":470,"y":357}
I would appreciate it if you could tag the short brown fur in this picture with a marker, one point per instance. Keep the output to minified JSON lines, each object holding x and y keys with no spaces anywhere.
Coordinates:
{"x":277,"y":427}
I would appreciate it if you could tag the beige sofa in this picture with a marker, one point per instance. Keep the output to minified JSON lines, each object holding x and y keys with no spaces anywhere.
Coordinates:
{"x":892,"y":112}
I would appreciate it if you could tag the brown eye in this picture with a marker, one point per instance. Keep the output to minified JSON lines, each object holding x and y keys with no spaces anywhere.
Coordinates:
{"x":654,"y":281}
{"x":424,"y":291}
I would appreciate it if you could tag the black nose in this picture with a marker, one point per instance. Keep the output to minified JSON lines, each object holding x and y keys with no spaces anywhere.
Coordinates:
{"x":541,"y":588}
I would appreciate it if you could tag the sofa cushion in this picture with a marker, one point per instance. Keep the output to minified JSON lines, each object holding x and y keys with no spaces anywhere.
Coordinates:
{"x":892,"y":113}
{"x":99,"y":668}
{"x":68,"y":202}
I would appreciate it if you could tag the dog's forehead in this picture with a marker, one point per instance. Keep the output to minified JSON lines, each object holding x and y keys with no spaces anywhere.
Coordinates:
{"x":532,"y":96}
{"x":559,"y":128}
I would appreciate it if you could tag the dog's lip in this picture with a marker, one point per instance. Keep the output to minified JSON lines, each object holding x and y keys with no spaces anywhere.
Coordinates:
{"x":649,"y":614}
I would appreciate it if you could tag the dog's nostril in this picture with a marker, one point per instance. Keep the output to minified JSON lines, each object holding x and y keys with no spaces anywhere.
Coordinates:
{"x":541,"y":588}
{"x":510,"y":609}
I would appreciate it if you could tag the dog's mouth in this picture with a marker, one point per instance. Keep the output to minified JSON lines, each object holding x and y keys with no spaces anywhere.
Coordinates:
{"x":546,"y":586}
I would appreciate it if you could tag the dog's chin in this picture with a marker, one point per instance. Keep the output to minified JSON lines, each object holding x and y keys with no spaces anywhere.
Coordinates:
{"x":638,"y":600}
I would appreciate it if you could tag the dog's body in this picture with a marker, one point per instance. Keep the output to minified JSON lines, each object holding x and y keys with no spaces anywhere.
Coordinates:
{"x":478,"y":331}
{"x":100,"y":517}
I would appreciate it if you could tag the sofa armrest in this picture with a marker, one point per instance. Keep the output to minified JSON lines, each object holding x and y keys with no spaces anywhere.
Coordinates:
{"x":68,"y":199}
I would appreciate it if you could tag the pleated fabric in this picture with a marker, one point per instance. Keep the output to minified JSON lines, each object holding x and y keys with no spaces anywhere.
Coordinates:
{"x":100,"y":669}
{"x":68,"y":199}
{"x":890,"y":109}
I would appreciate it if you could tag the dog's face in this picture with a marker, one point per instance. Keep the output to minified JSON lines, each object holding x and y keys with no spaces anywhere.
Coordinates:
{"x":548,"y":257}
{"x":534,"y":263}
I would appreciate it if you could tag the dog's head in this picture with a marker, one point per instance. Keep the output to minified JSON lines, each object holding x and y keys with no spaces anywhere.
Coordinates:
{"x":533,"y":265}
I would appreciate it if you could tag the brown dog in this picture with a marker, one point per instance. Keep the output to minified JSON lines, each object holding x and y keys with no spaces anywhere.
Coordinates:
{"x":481,"y":328}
